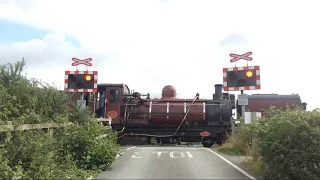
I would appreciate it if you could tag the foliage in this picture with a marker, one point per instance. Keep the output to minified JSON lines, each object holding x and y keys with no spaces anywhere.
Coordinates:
{"x":238,"y":142}
{"x":71,"y":152}
{"x":88,"y":151}
{"x":289,"y":144}
{"x":283,"y":145}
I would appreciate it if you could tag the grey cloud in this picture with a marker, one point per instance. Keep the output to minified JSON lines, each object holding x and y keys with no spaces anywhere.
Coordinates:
{"x":51,"y":51}
{"x":234,"y":38}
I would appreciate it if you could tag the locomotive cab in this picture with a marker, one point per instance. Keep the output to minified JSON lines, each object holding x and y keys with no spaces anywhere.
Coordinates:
{"x":109,"y":100}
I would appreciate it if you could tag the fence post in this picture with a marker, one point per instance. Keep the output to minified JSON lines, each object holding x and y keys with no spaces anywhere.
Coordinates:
{"x":50,"y":131}
{"x":8,"y":133}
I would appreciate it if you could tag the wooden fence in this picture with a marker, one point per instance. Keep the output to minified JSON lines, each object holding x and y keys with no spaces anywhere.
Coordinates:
{"x":49,"y":126}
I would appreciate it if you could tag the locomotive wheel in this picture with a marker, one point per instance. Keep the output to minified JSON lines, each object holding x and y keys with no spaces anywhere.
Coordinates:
{"x":207,"y":141}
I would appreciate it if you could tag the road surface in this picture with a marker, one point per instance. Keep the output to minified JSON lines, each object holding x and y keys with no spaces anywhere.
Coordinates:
{"x":172,"y":163}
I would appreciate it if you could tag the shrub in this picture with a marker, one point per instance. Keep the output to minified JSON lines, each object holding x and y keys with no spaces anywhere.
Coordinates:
{"x":239,"y":141}
{"x":70,"y":152}
{"x":283,"y":145}
{"x":89,"y":152}
{"x":289,"y":144}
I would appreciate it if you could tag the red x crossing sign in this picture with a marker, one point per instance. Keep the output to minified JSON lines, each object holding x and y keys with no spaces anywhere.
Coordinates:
{"x":79,"y":61}
{"x":237,"y":57}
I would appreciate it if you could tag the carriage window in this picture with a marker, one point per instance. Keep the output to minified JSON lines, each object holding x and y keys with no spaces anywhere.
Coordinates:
{"x":114,"y":95}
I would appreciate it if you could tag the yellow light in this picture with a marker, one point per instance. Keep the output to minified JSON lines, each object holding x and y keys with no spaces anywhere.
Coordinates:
{"x":249,"y":74}
{"x":88,"y":77}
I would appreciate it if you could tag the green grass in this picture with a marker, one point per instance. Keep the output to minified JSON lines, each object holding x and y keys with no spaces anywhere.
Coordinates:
{"x":229,"y":149}
{"x":255,"y":165}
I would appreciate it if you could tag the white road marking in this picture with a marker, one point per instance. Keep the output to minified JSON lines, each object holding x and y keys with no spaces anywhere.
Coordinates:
{"x":172,"y":155}
{"x":159,"y":153}
{"x":189,"y":154}
{"x":230,"y":163}
{"x":130,"y":148}
{"x":136,"y":155}
{"x":123,"y":152}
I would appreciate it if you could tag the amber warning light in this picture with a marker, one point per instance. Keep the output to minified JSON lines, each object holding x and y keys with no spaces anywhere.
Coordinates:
{"x":88,"y":78}
{"x":249,"y":74}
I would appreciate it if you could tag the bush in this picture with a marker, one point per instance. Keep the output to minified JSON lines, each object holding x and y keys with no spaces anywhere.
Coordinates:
{"x":283,"y":145}
{"x":89,"y":152}
{"x":289,"y":144}
{"x":70,"y":152}
{"x":239,"y":141}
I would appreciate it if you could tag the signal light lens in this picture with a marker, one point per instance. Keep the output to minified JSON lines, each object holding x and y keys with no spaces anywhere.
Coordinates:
{"x":88,"y":78}
{"x":249,"y":74}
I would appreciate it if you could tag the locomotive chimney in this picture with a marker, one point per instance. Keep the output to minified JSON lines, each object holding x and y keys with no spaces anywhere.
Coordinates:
{"x":218,"y":91}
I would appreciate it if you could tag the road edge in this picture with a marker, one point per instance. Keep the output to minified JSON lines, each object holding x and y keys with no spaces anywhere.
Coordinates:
{"x":118,"y":155}
{"x":225,"y":159}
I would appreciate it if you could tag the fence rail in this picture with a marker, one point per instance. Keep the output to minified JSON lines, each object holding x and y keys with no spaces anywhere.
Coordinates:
{"x":11,"y":127}
{"x":50,"y":126}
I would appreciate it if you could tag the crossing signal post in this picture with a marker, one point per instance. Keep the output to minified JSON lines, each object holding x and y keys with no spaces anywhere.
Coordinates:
{"x":241,"y":78}
{"x":81,"y":81}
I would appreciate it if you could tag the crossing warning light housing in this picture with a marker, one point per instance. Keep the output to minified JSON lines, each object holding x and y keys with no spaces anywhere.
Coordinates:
{"x":81,"y":81}
{"x":241,"y":78}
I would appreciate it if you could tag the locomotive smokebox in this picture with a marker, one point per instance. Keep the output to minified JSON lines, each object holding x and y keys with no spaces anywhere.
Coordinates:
{"x":218,"y":91}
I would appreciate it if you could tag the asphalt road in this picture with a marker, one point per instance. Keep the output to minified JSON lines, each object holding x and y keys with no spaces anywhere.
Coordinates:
{"x":172,"y":163}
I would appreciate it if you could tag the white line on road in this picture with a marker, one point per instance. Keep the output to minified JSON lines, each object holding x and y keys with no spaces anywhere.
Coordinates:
{"x":123,"y":152}
{"x":189,"y":154}
{"x":119,"y":154}
{"x":230,"y":163}
{"x":130,"y":148}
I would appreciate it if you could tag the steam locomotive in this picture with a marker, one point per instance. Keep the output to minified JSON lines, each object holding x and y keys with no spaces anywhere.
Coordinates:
{"x":173,"y":120}
{"x":167,"y":119}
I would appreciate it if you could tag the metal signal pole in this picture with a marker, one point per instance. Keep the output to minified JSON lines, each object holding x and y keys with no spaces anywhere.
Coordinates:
{"x":243,"y":108}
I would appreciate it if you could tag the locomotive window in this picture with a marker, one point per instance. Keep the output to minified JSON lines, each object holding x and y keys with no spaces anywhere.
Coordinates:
{"x":114,"y":95}
{"x":126,"y":90}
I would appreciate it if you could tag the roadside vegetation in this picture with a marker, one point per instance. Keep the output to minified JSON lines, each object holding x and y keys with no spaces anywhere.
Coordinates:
{"x":283,"y":145}
{"x":70,"y":152}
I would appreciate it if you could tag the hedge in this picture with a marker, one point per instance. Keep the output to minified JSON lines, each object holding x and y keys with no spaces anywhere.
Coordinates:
{"x":289,"y":144}
{"x":71,"y":152}
{"x":283,"y":145}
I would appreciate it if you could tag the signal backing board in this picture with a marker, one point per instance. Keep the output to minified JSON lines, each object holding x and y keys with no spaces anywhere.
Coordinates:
{"x":92,"y":83}
{"x":241,"y":78}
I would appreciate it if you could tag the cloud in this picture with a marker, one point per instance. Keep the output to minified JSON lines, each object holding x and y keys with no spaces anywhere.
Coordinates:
{"x":233,"y":38}
{"x":149,"y":44}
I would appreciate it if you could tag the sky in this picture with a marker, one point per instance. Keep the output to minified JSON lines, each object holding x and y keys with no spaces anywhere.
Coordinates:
{"x":148,"y":44}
